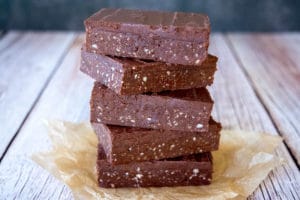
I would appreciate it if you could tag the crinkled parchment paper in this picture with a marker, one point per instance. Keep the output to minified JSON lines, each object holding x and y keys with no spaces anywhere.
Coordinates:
{"x":242,"y":162}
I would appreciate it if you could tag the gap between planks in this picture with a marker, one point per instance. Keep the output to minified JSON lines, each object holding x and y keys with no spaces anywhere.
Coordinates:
{"x":257,"y":94}
{"x":277,"y":90}
{"x":68,"y":84}
{"x":13,"y":92}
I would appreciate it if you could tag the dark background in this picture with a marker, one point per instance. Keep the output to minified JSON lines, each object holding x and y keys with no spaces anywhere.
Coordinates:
{"x":225,"y":15}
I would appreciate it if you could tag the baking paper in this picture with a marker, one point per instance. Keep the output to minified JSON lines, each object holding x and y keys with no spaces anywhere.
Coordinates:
{"x":242,"y":162}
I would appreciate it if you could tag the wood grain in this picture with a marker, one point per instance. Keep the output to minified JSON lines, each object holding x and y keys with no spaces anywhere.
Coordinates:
{"x":274,"y":72}
{"x":66,"y":97}
{"x":237,"y":106}
{"x":27,"y":62}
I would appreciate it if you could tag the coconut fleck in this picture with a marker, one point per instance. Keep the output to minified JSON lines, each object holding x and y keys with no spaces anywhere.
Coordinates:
{"x":145,"y":78}
{"x":172,"y":146}
{"x":195,"y":171}
{"x":95,"y":46}
{"x":139,"y":176}
{"x":199,"y":126}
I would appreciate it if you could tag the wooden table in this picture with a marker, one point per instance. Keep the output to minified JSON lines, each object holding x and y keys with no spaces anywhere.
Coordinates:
{"x":257,"y":88}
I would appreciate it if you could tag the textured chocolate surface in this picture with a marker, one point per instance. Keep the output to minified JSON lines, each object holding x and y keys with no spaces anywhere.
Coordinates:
{"x":182,"y":110}
{"x":180,"y":171}
{"x":133,"y":76}
{"x":126,"y":144}
{"x":179,"y":38}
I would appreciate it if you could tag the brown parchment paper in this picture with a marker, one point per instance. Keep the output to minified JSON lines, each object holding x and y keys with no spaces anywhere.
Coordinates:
{"x":242,"y":162}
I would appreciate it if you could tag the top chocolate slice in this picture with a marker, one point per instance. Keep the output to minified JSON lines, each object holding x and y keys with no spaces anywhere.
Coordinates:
{"x":173,"y":37}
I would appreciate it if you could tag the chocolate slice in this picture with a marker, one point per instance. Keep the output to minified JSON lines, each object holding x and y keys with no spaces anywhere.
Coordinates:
{"x":181,"y":110}
{"x":132,"y":76}
{"x":172,"y":37}
{"x":126,"y":144}
{"x":181,"y":171}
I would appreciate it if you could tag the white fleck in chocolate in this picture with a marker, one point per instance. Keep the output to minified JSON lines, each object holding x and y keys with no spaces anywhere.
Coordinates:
{"x":149,"y":118}
{"x":98,"y":120}
{"x":126,"y":174}
{"x":94,"y":46}
{"x":132,"y":120}
{"x":118,"y":49}
{"x":138,"y":169}
{"x":168,"y":72}
{"x":145,"y":78}
{"x":195,"y":171}
{"x":135,"y":76}
{"x":139,"y":176}
{"x":197,"y":61}
{"x":199,"y":126}
{"x":172,"y":146}
{"x":141,"y":153}
{"x":130,"y":149}
{"x":186,"y":57}
{"x":194,"y":138}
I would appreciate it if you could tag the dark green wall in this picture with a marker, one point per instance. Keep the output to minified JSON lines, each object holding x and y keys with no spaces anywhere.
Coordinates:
{"x":225,"y":15}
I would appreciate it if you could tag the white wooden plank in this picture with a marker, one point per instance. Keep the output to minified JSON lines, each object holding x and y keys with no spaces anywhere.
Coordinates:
{"x":66,"y":97}
{"x":274,"y":71}
{"x":9,"y":39}
{"x":27,"y":62}
{"x":237,"y":106}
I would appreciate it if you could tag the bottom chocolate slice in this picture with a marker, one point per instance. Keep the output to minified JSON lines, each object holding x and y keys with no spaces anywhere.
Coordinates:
{"x":129,"y":144}
{"x":181,"y":171}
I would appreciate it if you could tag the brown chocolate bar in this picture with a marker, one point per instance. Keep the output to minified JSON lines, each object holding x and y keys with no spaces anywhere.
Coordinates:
{"x":133,"y":76}
{"x":181,"y":171}
{"x":123,"y":145}
{"x":181,"y":110}
{"x":172,"y":37}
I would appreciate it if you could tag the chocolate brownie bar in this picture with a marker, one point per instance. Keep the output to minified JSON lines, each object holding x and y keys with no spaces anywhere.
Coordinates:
{"x":172,"y":37}
{"x":127,"y":144}
{"x":133,"y":76}
{"x":181,"y":171}
{"x":181,"y":110}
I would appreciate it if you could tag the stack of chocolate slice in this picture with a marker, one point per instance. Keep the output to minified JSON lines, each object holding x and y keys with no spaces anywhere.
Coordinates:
{"x":149,"y":105}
